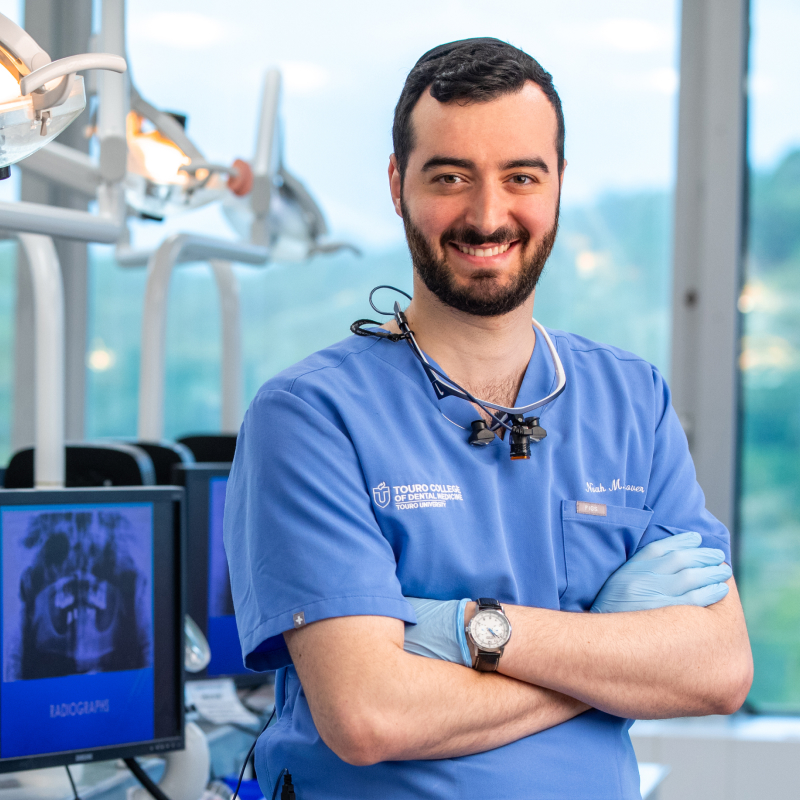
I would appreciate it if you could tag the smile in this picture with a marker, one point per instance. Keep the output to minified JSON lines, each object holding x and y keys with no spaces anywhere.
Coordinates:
{"x":483,"y":252}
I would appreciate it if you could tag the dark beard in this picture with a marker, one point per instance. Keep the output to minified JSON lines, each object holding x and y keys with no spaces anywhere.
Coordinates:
{"x":482,"y":298}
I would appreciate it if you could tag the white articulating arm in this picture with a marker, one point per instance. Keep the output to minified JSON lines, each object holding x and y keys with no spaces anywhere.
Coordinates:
{"x":66,"y":166}
{"x":166,"y":124}
{"x":264,"y":163}
{"x":180,"y":247}
{"x":231,"y":372}
{"x":55,"y":221}
{"x":66,"y":69}
{"x":48,"y":299}
{"x":112,"y":114}
{"x":69,"y":66}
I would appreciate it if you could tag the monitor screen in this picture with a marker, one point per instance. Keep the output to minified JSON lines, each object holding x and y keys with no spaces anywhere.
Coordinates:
{"x":91,"y":634}
{"x":209,"y":600}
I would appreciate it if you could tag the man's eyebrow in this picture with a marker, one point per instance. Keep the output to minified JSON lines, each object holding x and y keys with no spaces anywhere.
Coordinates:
{"x":464,"y":163}
{"x":447,"y":161}
{"x":526,"y":163}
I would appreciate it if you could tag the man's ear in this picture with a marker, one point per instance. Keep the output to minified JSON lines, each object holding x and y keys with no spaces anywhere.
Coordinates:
{"x":561,"y":176}
{"x":395,"y":184}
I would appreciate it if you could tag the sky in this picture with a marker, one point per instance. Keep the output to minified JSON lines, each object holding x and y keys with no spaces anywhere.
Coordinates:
{"x":774,"y":80}
{"x":344,"y":64}
{"x":614,"y":63}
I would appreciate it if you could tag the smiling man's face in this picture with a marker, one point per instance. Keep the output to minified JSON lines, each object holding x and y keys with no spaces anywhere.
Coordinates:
{"x":480,"y":198}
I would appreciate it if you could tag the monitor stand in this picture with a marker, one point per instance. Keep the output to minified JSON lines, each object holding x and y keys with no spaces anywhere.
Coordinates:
{"x":186,"y":772}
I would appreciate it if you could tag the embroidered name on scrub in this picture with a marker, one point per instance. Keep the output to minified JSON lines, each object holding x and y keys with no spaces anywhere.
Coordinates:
{"x":424,"y":495}
{"x":616,"y":486}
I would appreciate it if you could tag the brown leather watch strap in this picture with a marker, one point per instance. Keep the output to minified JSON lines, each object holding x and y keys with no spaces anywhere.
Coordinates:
{"x":487,"y":662}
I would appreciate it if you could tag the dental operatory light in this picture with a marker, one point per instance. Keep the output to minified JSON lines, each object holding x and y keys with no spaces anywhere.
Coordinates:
{"x":293,"y":226}
{"x":166,"y":173}
{"x":39,"y":97}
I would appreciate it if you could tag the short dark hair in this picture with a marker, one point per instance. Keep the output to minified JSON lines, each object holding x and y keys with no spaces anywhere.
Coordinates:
{"x":471,"y":70}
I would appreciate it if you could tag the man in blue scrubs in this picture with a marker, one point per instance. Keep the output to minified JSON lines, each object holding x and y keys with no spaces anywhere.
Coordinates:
{"x":354,"y":487}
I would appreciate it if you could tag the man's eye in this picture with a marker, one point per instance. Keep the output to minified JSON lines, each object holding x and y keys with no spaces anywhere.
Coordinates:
{"x":450,"y":179}
{"x":522,"y":180}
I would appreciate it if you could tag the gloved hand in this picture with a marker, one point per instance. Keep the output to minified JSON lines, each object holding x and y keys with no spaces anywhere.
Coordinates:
{"x":439,"y":632}
{"x":674,"y":571}
{"x":670,"y":572}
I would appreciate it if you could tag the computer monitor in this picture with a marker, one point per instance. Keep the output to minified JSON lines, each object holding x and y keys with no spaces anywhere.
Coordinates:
{"x":91,"y":625}
{"x":208,"y":587}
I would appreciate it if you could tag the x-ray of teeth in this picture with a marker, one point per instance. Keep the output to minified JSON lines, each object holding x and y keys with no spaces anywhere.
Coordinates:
{"x":83,"y":600}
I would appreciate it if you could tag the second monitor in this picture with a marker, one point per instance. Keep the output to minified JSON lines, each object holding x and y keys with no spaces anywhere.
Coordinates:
{"x":208,"y":589}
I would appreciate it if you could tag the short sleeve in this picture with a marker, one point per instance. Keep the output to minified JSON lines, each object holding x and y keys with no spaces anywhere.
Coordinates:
{"x":301,"y":537}
{"x":673,"y":493}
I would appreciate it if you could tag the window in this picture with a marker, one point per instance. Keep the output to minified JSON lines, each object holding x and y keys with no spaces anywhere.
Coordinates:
{"x":770,"y":362}
{"x":609,"y":277}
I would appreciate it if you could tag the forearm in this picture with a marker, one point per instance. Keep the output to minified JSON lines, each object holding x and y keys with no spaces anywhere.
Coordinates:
{"x":453,"y":711}
{"x":396,"y":706}
{"x":668,"y":662}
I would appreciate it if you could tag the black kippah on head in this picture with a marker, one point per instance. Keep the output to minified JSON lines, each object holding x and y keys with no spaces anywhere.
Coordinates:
{"x":444,"y":49}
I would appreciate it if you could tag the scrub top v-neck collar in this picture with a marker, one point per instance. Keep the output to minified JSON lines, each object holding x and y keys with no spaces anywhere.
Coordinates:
{"x":538,"y":382}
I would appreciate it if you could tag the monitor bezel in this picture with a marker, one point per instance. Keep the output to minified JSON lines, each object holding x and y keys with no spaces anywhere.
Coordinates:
{"x":197,"y":514}
{"x":94,"y":495}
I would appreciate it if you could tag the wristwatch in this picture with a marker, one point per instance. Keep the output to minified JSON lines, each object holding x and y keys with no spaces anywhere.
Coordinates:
{"x":488,"y":631}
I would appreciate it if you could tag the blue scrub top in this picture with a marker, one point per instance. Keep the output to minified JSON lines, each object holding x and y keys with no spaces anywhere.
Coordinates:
{"x":350,"y":489}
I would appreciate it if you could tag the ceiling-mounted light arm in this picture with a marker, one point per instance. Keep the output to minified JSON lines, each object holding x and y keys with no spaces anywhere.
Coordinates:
{"x":64,"y":68}
{"x":304,"y":199}
{"x":196,"y":166}
{"x":165,"y":124}
{"x":265,"y":163}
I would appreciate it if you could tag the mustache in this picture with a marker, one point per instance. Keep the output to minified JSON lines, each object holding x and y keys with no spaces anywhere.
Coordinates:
{"x":474,"y":238}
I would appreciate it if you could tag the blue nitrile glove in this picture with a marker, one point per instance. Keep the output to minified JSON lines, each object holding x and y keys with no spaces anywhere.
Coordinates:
{"x":674,"y":571}
{"x":670,"y":572}
{"x":439,"y":632}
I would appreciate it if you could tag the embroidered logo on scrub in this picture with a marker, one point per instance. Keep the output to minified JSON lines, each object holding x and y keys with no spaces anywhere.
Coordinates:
{"x":381,"y":495}
{"x":416,"y":495}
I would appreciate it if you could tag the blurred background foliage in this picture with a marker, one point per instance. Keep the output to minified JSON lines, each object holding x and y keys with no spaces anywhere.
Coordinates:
{"x":769,"y":568}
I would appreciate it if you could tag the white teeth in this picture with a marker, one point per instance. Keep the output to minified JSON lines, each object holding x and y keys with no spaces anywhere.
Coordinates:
{"x":491,"y":251}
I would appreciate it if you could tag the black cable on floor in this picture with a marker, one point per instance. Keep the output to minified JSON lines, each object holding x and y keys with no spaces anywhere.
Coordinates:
{"x":72,"y":782}
{"x":147,"y":782}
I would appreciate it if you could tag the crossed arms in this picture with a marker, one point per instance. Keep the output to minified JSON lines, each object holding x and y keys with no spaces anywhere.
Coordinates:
{"x":371,"y":701}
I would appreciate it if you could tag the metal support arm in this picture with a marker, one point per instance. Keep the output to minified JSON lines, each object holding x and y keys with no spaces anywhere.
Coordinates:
{"x":231,"y":371}
{"x":48,"y":299}
{"x":64,"y":222}
{"x":180,"y":247}
{"x":66,"y":166}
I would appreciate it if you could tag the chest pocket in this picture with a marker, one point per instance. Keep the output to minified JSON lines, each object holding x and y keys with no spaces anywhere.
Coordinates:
{"x":595,"y":546}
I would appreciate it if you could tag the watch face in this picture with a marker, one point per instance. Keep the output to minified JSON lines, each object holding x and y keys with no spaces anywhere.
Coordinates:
{"x":489,"y":629}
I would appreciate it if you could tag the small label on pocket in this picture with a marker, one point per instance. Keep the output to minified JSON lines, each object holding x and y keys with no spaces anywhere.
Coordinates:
{"x":595,"y":509}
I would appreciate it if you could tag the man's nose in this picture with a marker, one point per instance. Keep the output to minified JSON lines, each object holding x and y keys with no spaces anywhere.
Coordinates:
{"x":488,"y":209}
